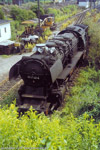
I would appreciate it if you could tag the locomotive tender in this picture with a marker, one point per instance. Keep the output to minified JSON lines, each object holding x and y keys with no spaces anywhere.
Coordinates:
{"x":45,"y":72}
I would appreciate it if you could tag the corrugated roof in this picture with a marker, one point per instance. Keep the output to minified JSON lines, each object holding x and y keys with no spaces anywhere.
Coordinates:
{"x":4,"y":21}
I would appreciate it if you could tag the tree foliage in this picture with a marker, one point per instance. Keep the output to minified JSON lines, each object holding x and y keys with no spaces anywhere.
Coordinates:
{"x":34,"y":8}
{"x":21,"y":14}
{"x":1,"y":14}
{"x":94,"y":47}
{"x":63,"y":13}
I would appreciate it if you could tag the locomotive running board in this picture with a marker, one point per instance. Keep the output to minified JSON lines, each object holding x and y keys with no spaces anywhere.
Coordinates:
{"x":37,"y":107}
{"x":33,"y":96}
{"x":67,"y":71}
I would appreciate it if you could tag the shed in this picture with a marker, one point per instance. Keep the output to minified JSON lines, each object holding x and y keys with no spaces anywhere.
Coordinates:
{"x":5,"y":30}
{"x":6,"y":45}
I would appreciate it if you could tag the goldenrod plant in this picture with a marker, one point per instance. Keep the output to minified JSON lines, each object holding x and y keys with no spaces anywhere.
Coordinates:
{"x":65,"y":25}
{"x":41,"y":132}
{"x":29,"y":47}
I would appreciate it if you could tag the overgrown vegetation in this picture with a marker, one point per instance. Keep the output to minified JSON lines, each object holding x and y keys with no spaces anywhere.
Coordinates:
{"x":16,"y":29}
{"x":76,"y":126}
{"x":42,"y":39}
{"x":34,"y":8}
{"x":1,"y":14}
{"x":64,"y":13}
{"x":85,"y":95}
{"x":30,"y":11}
{"x":65,"y":25}
{"x":41,"y":132}
{"x":94,"y":48}
{"x":62,"y":130}
{"x":21,"y":14}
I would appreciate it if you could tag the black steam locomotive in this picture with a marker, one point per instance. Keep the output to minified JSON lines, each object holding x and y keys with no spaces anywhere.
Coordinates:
{"x":45,"y":72}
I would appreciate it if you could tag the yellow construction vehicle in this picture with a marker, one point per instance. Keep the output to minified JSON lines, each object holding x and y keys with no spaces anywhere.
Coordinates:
{"x":46,"y":21}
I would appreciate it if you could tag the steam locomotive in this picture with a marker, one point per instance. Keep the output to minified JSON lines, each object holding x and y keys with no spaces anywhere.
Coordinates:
{"x":45,"y":72}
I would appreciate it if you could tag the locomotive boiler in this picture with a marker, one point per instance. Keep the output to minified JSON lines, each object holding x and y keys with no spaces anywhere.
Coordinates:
{"x":45,"y":72}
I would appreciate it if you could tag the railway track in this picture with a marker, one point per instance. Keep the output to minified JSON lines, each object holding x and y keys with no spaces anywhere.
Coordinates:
{"x":81,"y":16}
{"x":6,"y":87}
{"x":78,"y":17}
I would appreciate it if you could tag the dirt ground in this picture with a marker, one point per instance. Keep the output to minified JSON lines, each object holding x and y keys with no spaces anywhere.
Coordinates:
{"x":7,"y":62}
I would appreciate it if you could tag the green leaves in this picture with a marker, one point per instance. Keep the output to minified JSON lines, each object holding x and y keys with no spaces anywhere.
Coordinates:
{"x":21,"y":14}
{"x":34,"y":8}
{"x":94,"y":47}
{"x":1,"y":14}
{"x":84,"y":96}
{"x":41,"y":132}
{"x":63,"y":13}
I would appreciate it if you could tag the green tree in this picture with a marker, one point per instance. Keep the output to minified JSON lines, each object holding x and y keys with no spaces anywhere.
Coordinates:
{"x":21,"y":14}
{"x":1,"y":14}
{"x":34,"y":8}
{"x":31,"y":14}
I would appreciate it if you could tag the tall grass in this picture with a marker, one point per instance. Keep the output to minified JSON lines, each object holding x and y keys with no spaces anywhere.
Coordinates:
{"x":85,"y":95}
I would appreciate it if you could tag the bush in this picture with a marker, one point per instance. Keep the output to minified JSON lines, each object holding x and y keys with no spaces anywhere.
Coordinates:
{"x":34,"y":8}
{"x":47,"y":32}
{"x":64,"y":13}
{"x":14,"y":29}
{"x":94,"y":47}
{"x":21,"y":14}
{"x":29,"y":47}
{"x":65,"y":25}
{"x":69,"y":9}
{"x":85,"y":93}
{"x":41,"y":40}
{"x":41,"y":132}
{"x":54,"y":11}
{"x":31,"y":15}
{"x":1,"y":14}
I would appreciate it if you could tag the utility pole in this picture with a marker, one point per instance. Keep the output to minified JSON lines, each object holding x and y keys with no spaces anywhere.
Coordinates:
{"x":94,"y":4}
{"x":39,"y":14}
{"x":90,"y":4}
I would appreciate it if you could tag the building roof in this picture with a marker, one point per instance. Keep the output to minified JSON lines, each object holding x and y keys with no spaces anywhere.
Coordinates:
{"x":6,"y":43}
{"x":4,"y":21}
